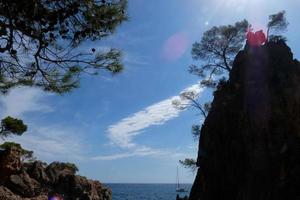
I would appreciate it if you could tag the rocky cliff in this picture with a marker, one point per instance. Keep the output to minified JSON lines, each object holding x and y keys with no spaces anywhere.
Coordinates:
{"x":36,"y":180}
{"x":249,"y":147}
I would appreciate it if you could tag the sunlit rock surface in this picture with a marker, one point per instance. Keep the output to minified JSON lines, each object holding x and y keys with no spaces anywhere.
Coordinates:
{"x":34,"y":181}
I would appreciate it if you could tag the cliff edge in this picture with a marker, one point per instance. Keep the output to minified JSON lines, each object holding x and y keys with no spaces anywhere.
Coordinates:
{"x":249,"y":146}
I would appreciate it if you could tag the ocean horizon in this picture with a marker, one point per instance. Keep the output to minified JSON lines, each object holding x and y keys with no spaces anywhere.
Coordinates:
{"x":146,"y":191}
{"x":149,"y":183}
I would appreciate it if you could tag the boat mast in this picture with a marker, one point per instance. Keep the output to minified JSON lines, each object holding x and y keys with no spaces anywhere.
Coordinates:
{"x":177,"y":177}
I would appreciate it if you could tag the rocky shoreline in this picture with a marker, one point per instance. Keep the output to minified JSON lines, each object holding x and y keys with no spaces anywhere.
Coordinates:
{"x":36,"y":180}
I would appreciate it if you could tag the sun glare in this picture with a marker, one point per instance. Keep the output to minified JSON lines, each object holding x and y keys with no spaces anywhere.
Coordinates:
{"x":252,"y":10}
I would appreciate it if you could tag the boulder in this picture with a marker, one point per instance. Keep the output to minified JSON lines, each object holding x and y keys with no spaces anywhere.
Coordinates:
{"x":57,"y":169}
{"x":73,"y":187}
{"x":6,"y":194}
{"x":10,"y":163}
{"x":23,"y":185}
{"x":37,"y":171}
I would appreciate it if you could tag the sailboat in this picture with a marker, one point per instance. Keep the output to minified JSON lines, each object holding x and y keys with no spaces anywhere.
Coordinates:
{"x":178,"y":188}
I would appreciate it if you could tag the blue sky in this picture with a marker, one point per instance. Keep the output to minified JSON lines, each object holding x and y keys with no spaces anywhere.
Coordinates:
{"x":124,"y":128}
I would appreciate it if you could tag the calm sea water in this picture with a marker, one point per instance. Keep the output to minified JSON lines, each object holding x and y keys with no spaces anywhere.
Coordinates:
{"x":146,"y":191}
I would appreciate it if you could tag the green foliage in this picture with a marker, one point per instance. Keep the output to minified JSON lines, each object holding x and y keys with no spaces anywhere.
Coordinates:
{"x":189,"y":163}
{"x":71,"y":166}
{"x":217,"y":49}
{"x":26,"y":155}
{"x":62,"y":166}
{"x":11,"y":125}
{"x":189,"y":99}
{"x":196,"y":130}
{"x":10,"y":145}
{"x":219,"y":46}
{"x":277,"y":23}
{"x":207,"y":107}
{"x":277,"y":39}
{"x":41,"y":41}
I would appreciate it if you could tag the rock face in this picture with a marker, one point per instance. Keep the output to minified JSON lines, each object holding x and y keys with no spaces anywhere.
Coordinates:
{"x":249,"y":147}
{"x":6,"y":194}
{"x":9,"y":163}
{"x":35,"y":181}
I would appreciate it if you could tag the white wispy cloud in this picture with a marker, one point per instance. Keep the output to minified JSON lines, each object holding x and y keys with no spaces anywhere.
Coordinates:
{"x":22,"y":100}
{"x":123,"y":132}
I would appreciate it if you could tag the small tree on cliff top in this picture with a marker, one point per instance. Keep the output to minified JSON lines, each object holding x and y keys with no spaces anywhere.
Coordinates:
{"x":65,"y":166}
{"x":216,"y":51}
{"x":219,"y":46}
{"x":11,"y":125}
{"x":26,"y":155}
{"x":277,"y":23}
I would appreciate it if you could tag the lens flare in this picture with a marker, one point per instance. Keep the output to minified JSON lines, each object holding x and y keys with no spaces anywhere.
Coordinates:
{"x":175,"y":46}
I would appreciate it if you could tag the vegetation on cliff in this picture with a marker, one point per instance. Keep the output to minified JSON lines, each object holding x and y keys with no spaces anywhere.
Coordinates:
{"x":38,"y":180}
{"x":10,"y":126}
{"x":25,"y":155}
{"x":41,"y":48}
{"x":216,"y":52}
{"x":249,"y":142}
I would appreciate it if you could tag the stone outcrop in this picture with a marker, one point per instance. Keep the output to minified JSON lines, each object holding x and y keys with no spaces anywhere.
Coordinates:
{"x":36,"y":180}
{"x":6,"y":194}
{"x":249,"y":147}
{"x":9,"y":163}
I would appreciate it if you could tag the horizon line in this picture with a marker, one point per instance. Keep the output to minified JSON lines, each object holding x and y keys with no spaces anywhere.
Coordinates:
{"x":147,"y":183}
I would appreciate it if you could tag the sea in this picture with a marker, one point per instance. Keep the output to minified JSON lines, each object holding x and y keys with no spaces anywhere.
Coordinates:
{"x":146,"y":191}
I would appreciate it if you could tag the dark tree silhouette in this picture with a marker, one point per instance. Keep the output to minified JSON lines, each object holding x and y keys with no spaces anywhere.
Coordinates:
{"x":216,"y":51}
{"x":277,"y":23}
{"x":219,"y":46}
{"x":189,"y":99}
{"x":40,"y":39}
{"x":189,"y":163}
{"x":40,"y":45}
{"x":11,"y":125}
